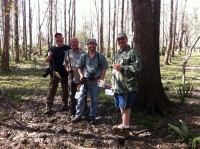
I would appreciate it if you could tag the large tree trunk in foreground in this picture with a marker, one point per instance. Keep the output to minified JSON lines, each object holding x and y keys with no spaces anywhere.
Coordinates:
{"x":151,"y":96}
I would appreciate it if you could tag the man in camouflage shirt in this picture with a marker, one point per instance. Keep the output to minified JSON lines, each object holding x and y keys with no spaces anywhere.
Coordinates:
{"x":126,"y":66}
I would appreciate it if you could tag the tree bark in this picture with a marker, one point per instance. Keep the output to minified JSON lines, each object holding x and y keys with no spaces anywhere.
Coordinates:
{"x":50,"y":37}
{"x":55,"y":16}
{"x":182,"y":28}
{"x":30,"y":31}
{"x":65,"y":20}
{"x":174,"y":29}
{"x":39,"y":31}
{"x":16,"y":32}
{"x":74,"y":18}
{"x":113,"y":28}
{"x":169,"y":47}
{"x":24,"y":42}
{"x":69,"y":21}
{"x":109,"y":22}
{"x":101,"y":27}
{"x":122,"y":17}
{"x":6,"y":32}
{"x":97,"y":13}
{"x":151,"y":96}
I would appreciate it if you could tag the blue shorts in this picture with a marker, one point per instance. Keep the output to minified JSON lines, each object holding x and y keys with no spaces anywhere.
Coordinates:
{"x":122,"y":102}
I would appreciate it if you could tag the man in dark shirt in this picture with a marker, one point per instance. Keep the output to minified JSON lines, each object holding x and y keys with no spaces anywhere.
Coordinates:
{"x":55,"y":57}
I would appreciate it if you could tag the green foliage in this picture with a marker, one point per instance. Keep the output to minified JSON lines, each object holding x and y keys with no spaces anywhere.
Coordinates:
{"x":183,"y":91}
{"x":186,"y":135}
{"x":183,"y":131}
{"x":195,"y":142}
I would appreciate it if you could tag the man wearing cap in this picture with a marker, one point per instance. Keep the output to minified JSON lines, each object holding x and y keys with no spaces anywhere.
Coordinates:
{"x":126,"y":67}
{"x":92,"y":68}
{"x":55,"y":56}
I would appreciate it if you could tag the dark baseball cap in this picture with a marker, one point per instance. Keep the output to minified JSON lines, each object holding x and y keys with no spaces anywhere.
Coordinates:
{"x":57,"y":34}
{"x":91,"y":41}
{"x":120,"y":35}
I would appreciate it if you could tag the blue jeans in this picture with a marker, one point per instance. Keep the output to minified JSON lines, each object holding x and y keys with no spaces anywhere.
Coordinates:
{"x":93,"y":90}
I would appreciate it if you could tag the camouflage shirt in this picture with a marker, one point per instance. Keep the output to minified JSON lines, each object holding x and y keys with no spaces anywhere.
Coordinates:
{"x":126,"y":80}
{"x":70,"y":60}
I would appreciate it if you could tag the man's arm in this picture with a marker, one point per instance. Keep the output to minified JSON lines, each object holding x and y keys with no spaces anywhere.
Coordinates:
{"x":49,"y":56}
{"x":103,"y":74}
{"x":80,"y":71}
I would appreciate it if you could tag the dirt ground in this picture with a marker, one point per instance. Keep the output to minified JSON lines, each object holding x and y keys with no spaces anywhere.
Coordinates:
{"x":23,"y":125}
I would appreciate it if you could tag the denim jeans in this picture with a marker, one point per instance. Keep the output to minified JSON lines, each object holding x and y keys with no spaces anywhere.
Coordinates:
{"x":93,"y":90}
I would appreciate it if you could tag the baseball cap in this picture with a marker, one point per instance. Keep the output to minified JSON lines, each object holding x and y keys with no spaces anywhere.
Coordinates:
{"x":121,"y":35}
{"x":57,"y":34}
{"x":91,"y":40}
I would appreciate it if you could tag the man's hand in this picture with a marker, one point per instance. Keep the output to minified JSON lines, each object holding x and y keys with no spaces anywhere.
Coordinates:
{"x":117,"y":67}
{"x":50,"y":54}
{"x":48,"y":58}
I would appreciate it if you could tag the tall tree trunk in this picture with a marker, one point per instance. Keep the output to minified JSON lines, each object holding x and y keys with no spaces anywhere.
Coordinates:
{"x":65,"y":20}
{"x":132,"y":25}
{"x":174,"y":28}
{"x":74,"y":18}
{"x":109,"y":22}
{"x":24,"y":42}
{"x":16,"y":32}
{"x":55,"y":16}
{"x":151,"y":96}
{"x":114,"y":22}
{"x":182,"y":28}
{"x":69,"y":21}
{"x":127,"y":19}
{"x":169,"y":48}
{"x":39,"y":31}
{"x":51,"y":23}
{"x":122,"y":17}
{"x":6,"y":31}
{"x":30,"y":30}
{"x":163,"y":31}
{"x":101,"y":28}
{"x":97,"y":12}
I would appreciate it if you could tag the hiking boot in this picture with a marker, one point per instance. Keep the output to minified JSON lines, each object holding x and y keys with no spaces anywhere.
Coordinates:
{"x":76,"y":119}
{"x":92,"y":122}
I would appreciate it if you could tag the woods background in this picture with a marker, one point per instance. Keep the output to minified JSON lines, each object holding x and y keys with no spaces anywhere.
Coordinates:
{"x":27,"y":27}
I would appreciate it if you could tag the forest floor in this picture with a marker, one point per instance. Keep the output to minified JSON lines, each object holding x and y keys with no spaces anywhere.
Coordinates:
{"x":23,"y":124}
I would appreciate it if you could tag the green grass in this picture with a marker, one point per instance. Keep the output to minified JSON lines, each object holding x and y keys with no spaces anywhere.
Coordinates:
{"x":172,"y":74}
{"x":23,"y":81}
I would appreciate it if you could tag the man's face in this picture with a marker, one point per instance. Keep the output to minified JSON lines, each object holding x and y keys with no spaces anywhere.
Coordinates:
{"x":74,"y":43}
{"x":92,"y":46}
{"x":122,"y":42}
{"x":59,"y":40}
